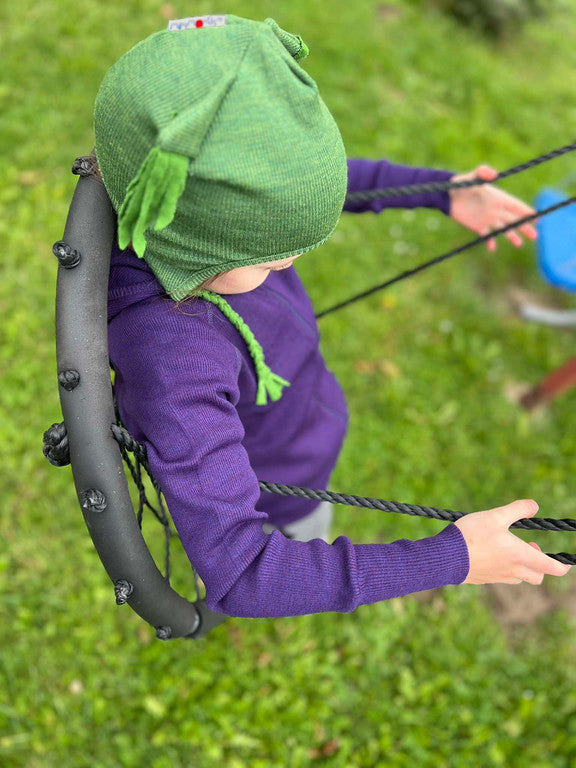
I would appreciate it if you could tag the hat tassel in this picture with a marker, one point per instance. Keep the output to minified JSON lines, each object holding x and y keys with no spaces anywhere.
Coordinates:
{"x":269,"y":385}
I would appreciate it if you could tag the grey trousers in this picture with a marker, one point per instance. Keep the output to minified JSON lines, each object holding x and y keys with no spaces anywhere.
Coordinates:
{"x":316,"y":525}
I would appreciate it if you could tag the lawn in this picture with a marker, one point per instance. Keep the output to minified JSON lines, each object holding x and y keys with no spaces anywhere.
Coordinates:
{"x":430,"y":368}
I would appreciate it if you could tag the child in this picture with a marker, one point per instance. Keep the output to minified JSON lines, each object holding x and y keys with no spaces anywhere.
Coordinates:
{"x":225,"y":166}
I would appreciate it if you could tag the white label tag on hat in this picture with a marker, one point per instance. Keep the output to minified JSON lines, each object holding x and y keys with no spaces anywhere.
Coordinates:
{"x":197,"y":22}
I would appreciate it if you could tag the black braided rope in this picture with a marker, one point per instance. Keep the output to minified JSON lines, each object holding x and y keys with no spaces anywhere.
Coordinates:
{"x":444,"y":256}
{"x":128,"y":443}
{"x":526,"y":523}
{"x":442,"y":186}
{"x":563,"y":525}
{"x":437,"y":186}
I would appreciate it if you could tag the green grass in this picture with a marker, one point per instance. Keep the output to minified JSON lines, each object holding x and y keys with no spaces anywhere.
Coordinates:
{"x":399,"y":683}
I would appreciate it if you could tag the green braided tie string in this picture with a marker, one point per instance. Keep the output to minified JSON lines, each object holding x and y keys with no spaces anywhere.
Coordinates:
{"x":151,"y":195}
{"x":270,"y":385}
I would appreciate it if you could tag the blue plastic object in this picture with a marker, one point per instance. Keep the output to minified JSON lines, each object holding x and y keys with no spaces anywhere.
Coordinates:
{"x":557,"y":240}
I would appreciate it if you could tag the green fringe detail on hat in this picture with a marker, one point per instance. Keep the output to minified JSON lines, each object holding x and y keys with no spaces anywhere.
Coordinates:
{"x":270,"y":385}
{"x":152,"y":195}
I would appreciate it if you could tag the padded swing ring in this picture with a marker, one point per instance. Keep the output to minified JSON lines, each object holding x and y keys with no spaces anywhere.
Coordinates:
{"x":87,"y":405}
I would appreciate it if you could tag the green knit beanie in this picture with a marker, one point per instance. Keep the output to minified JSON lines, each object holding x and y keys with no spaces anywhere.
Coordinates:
{"x":217,"y":150}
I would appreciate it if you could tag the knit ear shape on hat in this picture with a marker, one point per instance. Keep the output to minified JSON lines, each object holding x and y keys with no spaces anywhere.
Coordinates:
{"x":293,"y":43}
{"x":153,"y":194}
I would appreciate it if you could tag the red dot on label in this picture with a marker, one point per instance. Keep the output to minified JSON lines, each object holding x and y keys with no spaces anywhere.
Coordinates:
{"x":199,"y":23}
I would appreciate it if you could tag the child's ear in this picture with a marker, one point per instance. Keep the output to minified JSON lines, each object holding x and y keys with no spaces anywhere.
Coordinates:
{"x":293,"y":43}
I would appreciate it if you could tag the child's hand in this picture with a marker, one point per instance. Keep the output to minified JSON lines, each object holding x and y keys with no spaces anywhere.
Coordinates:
{"x":499,"y":557}
{"x":485,"y":208}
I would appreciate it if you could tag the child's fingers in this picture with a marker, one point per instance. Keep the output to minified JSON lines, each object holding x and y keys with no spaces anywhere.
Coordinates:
{"x":519,"y":211}
{"x":507,"y":217}
{"x":529,"y":556}
{"x":516,"y":510}
{"x":530,"y":576}
{"x":514,"y":238}
{"x":490,"y":244}
{"x":541,"y":563}
{"x":533,"y":544}
{"x":486,"y":172}
{"x":529,"y":230}
{"x":512,"y":234}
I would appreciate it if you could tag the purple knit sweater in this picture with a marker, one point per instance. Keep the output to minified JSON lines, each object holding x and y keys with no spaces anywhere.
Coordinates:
{"x":186,"y":387}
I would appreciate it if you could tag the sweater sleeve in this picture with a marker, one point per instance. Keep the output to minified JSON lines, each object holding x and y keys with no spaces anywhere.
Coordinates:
{"x":366,"y":174}
{"x":177,"y":394}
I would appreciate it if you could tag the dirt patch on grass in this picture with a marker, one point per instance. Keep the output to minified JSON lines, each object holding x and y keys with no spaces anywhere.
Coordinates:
{"x":515,"y":605}
{"x":388,"y":11}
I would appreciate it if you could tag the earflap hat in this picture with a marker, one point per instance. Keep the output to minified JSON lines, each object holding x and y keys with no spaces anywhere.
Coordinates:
{"x":217,"y":150}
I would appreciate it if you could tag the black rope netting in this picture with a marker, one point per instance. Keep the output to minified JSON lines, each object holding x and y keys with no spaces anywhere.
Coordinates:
{"x":127,"y":443}
{"x":56,"y":444}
